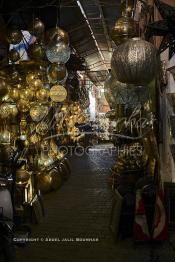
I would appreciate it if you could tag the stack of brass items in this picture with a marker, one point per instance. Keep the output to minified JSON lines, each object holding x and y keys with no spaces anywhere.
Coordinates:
{"x":35,"y":109}
{"x":131,"y":165}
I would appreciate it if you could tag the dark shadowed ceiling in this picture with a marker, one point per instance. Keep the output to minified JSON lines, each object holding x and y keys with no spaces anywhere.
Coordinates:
{"x":88,"y":22}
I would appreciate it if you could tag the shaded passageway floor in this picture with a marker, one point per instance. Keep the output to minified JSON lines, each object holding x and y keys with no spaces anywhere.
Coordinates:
{"x":81,"y":209}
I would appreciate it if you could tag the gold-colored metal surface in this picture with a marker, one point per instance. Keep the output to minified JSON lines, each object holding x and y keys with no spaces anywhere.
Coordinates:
{"x":42,"y":95}
{"x":36,"y":27}
{"x":14,"y":36}
{"x":36,"y":51}
{"x":22,"y":176}
{"x":38,"y":112}
{"x":62,"y":35}
{"x":124,"y":29}
{"x":23,"y":105}
{"x":13,"y":55}
{"x":58,"y":93}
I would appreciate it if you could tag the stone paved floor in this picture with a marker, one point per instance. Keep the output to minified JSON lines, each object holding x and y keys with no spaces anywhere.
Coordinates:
{"x":81,"y":208}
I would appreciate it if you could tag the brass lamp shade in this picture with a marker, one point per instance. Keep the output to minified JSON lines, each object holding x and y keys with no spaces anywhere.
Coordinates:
{"x":124,"y":28}
{"x":63,"y":36}
{"x":135,"y":62}
{"x":36,"y":51}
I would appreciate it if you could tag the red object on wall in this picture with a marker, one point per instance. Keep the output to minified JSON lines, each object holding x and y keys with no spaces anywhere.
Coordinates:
{"x":160,"y":225}
{"x":141,"y":232}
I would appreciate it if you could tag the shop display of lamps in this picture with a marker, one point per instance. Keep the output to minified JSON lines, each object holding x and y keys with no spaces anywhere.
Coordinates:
{"x":33,"y":93}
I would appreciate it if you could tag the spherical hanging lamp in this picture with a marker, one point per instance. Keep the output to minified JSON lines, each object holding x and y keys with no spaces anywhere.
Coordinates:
{"x":36,"y":27}
{"x":36,"y":51}
{"x":14,"y":36}
{"x":58,"y":93}
{"x":13,"y":55}
{"x":135,"y":62}
{"x":57,"y":73}
{"x":61,"y":34}
{"x":124,"y":29}
{"x":57,"y":51}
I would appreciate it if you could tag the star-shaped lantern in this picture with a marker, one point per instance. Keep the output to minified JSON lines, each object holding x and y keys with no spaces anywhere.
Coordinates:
{"x":165,"y":27}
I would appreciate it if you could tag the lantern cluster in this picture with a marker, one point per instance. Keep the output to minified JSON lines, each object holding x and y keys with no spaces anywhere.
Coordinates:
{"x":34,"y":106}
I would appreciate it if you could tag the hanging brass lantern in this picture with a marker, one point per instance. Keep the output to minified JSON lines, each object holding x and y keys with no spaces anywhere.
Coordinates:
{"x":16,"y":77}
{"x":58,"y":93}
{"x":34,"y":139}
{"x":57,"y":51}
{"x":4,"y":110}
{"x":42,"y":95}
{"x":13,"y":110}
{"x":63,"y":36}
{"x":4,"y":137}
{"x":45,"y":162}
{"x":27,"y":94}
{"x":30,"y":77}
{"x":36,"y":27}
{"x":23,"y":105}
{"x":36,"y":84}
{"x":135,"y":62}
{"x":57,"y":73}
{"x":36,"y":51}
{"x":38,"y":112}
{"x":124,"y":29}
{"x":42,"y":128}
{"x":14,"y":36}
{"x":14,"y":93}
{"x":13,"y":55}
{"x":3,"y":87}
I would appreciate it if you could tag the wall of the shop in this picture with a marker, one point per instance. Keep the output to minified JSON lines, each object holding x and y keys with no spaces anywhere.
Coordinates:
{"x":167,"y":162}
